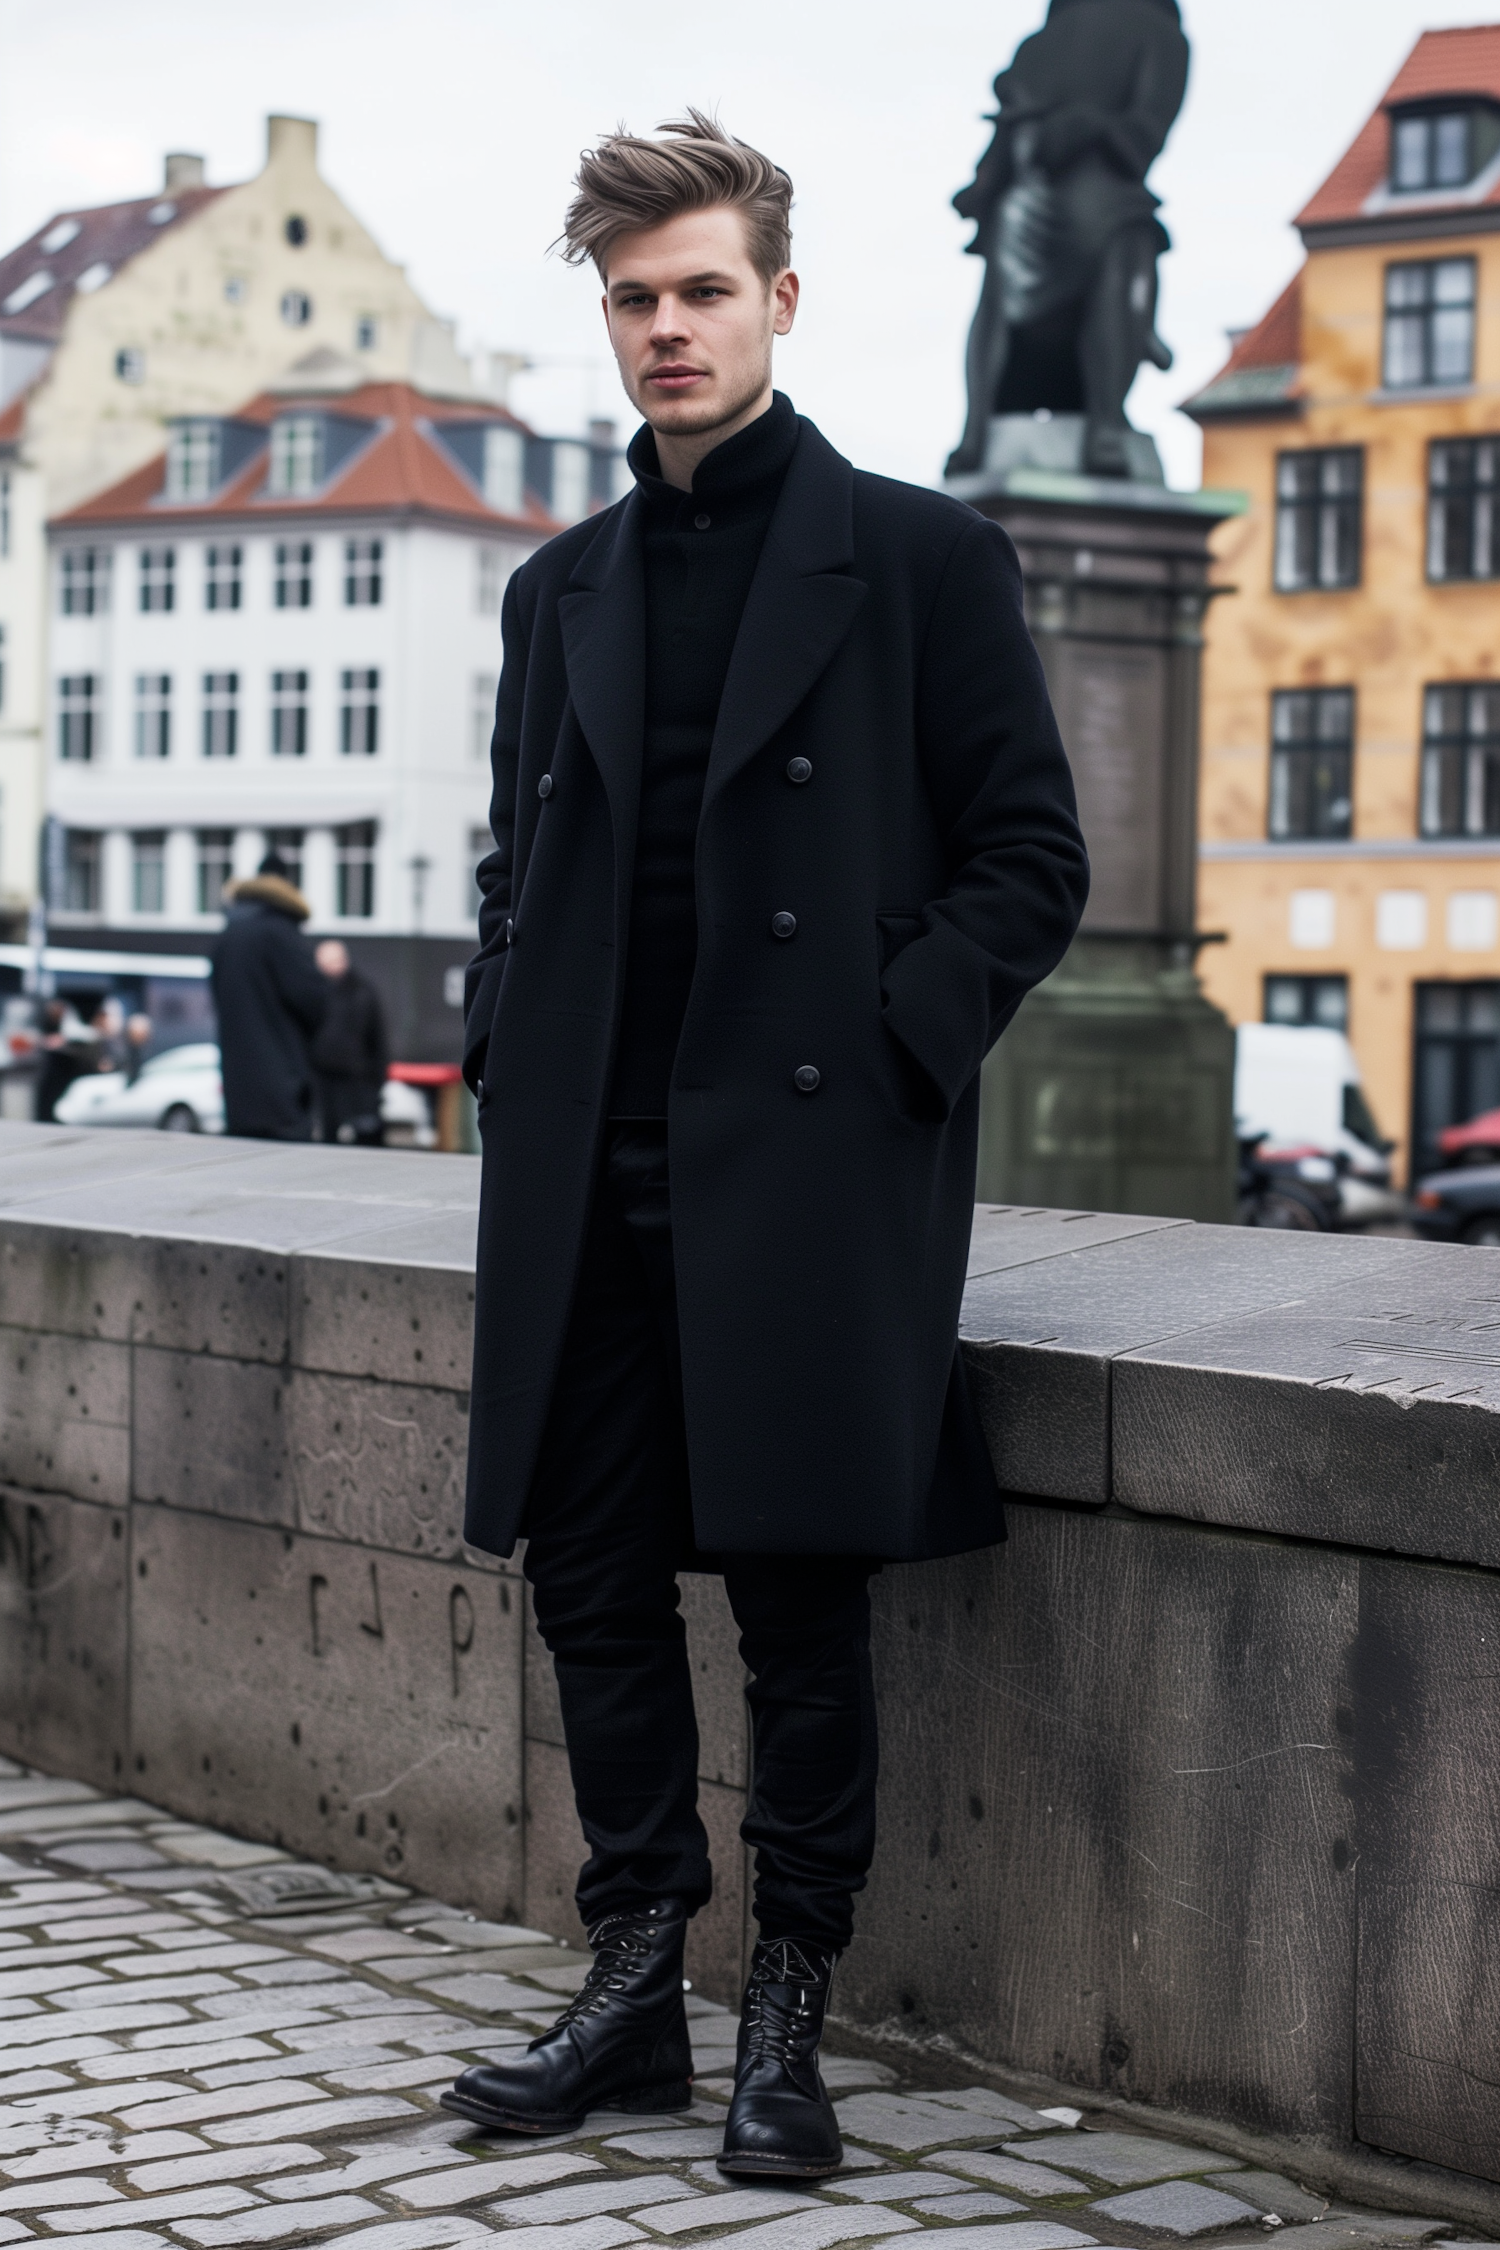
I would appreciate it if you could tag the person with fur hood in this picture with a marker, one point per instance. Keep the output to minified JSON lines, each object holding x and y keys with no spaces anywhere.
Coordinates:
{"x":271,"y":997}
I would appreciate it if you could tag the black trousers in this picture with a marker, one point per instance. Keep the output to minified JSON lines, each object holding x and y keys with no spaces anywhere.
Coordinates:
{"x":608,"y":1527}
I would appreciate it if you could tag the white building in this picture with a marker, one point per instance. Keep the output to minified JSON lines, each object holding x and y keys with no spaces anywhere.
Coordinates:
{"x":285,"y":630}
{"x":117,"y":318}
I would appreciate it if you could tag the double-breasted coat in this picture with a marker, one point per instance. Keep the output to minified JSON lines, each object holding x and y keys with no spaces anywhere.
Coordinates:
{"x":888,"y":859}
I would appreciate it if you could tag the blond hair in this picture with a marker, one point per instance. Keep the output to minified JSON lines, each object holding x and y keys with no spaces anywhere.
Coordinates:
{"x":628,"y":184}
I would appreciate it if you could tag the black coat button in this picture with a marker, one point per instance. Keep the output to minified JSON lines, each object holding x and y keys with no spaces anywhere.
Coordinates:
{"x":544,"y":786}
{"x":807,"y":1080}
{"x":783,"y":925}
{"x":510,"y":932}
{"x":799,"y":769}
{"x":701,"y":523}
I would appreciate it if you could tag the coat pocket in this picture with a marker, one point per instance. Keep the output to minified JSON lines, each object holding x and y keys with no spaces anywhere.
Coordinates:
{"x":894,"y":932}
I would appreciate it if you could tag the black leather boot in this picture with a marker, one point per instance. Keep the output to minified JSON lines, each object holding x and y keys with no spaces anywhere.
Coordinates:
{"x":621,"y":2044}
{"x":781,"y":2122}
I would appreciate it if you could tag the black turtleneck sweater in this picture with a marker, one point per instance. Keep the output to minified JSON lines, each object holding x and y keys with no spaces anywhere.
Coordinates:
{"x":701,"y":549}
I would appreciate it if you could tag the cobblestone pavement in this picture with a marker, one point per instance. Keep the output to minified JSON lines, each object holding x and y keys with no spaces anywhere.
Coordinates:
{"x":205,"y":2044}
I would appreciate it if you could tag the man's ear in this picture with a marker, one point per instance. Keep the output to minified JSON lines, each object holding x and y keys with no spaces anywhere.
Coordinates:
{"x":786,"y":289}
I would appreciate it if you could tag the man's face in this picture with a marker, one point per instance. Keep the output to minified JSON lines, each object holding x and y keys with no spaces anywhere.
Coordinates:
{"x":691,"y":321}
{"x":332,"y":957}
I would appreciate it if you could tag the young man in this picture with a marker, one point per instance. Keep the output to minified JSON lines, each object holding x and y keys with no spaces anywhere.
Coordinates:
{"x":784,"y":834}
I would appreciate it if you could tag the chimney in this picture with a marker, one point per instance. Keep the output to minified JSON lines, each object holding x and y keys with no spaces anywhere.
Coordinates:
{"x":182,"y":171}
{"x":292,"y":140}
{"x":602,"y":435}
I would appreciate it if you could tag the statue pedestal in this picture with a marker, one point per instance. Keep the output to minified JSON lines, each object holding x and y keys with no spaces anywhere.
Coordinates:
{"x":1113,"y":1089}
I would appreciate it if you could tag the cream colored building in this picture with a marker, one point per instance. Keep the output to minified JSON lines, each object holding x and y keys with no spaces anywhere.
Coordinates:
{"x":116,"y":319}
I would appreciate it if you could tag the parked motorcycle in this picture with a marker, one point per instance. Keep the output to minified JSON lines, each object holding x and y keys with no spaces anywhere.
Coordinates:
{"x":1294,"y":1189}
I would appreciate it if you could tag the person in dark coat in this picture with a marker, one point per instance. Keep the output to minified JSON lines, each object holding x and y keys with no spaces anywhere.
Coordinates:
{"x":350,"y":1052}
{"x":270,"y":999}
{"x":784,"y":834}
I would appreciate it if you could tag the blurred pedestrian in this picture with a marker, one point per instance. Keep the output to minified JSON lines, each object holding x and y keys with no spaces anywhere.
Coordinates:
{"x":108,"y":1022}
{"x":137,"y":1040}
{"x":350,"y":1052}
{"x":69,"y":1050}
{"x":270,"y":1000}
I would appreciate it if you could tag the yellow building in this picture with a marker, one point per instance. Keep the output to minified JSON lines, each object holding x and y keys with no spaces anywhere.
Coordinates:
{"x":1350,"y":808}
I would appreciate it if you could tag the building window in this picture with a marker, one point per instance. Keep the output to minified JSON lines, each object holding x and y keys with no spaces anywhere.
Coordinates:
{"x":572,"y":472}
{"x":236,"y":289}
{"x":130,"y":365}
{"x":1441,"y":148}
{"x":484,"y":689}
{"x":1312,"y":761}
{"x":148,"y":871}
{"x":85,"y":581}
{"x":1462,"y":476}
{"x":1318,"y":509}
{"x":296,"y":456}
{"x":288,"y":843}
{"x":1457,"y":1063}
{"x":296,"y":308}
{"x":221,"y":577}
{"x":1322,"y":1002}
{"x":294,"y":564}
{"x":215,"y":866}
{"x":489,"y":580}
{"x":158,"y":578}
{"x":504,"y":479}
{"x":153,"y":714}
{"x":481,"y":844}
{"x":359,"y":717}
{"x":362,"y":573}
{"x":78,"y":717}
{"x":221,"y":714}
{"x":366,"y":333}
{"x":1461,"y":761}
{"x":1429,"y":324}
{"x":80,"y":872}
{"x":354,"y":869}
{"x":192,"y":460}
{"x":4,"y":514}
{"x":289,"y":714}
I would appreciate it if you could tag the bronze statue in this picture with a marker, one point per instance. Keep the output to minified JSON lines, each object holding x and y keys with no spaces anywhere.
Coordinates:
{"x":1067,"y":227}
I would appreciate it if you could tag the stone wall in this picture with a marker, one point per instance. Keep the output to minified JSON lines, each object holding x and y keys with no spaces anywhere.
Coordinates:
{"x":1191,"y":1793}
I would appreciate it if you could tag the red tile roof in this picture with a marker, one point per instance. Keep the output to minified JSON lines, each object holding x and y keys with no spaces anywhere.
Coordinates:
{"x":1442,"y":62}
{"x":1263,"y":372}
{"x":13,"y":420}
{"x":107,"y":237}
{"x":401,"y":470}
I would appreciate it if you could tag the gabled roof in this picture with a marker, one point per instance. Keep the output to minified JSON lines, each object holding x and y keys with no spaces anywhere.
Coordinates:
{"x":1462,"y":62}
{"x":104,"y":240}
{"x":401,"y":468}
{"x":1264,"y":370}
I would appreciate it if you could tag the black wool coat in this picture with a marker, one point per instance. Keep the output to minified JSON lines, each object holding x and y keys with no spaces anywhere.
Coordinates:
{"x":270,"y":997}
{"x":885,"y":771}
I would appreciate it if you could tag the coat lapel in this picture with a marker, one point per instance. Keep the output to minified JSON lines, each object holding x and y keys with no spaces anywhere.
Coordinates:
{"x":801,"y":604}
{"x":603,"y":624}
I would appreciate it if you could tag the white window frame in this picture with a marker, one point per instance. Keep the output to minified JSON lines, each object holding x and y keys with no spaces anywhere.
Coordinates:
{"x":355,"y":847}
{"x":294,"y":574}
{"x":289,"y":709}
{"x":193,"y":455}
{"x":79,"y":712}
{"x":220,"y":736}
{"x":364,"y":573}
{"x":223,"y":566}
{"x":158,"y":580}
{"x":296,"y":456}
{"x":359,"y":712}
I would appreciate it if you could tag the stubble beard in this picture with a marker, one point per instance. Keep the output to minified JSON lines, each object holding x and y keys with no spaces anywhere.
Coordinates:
{"x":692,"y":416}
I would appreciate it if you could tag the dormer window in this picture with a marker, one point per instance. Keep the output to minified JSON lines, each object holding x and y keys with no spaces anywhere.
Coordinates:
{"x":193,"y":461}
{"x":296,"y":456}
{"x":1442,"y":146}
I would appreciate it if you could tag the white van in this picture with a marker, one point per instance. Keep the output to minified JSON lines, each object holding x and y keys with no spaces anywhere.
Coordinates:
{"x":1301,"y":1088}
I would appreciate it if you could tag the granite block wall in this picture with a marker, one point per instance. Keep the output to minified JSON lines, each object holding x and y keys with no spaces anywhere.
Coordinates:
{"x":1190,"y":1793}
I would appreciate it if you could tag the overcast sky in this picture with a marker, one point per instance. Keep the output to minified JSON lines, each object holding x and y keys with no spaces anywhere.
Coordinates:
{"x":453,"y":127}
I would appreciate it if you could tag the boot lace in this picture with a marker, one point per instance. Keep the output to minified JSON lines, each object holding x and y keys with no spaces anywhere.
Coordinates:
{"x":620,"y":1946}
{"x":776,"y":2028}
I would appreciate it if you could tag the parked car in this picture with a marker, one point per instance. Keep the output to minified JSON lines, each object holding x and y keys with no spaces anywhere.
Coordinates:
{"x":1299,"y":1104}
{"x":1478,"y":1142}
{"x":1461,"y":1206}
{"x":181,"y":1091}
